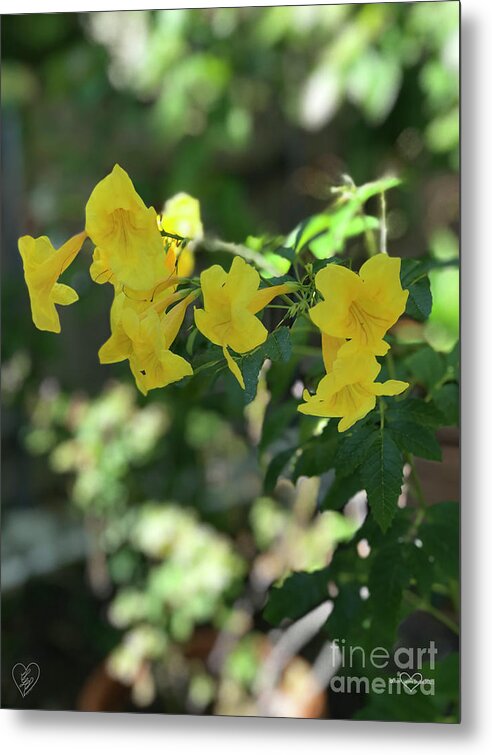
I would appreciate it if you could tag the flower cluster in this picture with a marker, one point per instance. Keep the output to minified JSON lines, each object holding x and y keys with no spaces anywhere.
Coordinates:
{"x":148,"y":259}
{"x":354,"y":316}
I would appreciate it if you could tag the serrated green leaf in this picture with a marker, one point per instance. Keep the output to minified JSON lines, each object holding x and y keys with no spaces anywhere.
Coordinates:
{"x":300,"y":592}
{"x":415,"y":410}
{"x":413,"y":276}
{"x":416,"y":439}
{"x":382,"y":476}
{"x":419,"y":302}
{"x":353,"y":447}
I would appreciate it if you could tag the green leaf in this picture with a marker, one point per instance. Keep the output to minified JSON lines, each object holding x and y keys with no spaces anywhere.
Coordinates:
{"x":388,"y":578}
{"x":341,"y":491}
{"x":440,"y":537}
{"x":427,"y":366}
{"x":413,"y":276}
{"x":277,"y":347}
{"x":275,"y":468}
{"x":347,"y":613}
{"x":331,"y":242}
{"x":308,"y":231}
{"x":419,"y":302}
{"x":416,"y":439}
{"x":277,"y":419}
{"x":420,"y":567}
{"x":318,"y":455}
{"x":415,"y":410}
{"x":366,"y":191}
{"x":382,"y":476}
{"x":353,"y":447}
{"x":447,"y":400}
{"x":299,"y":593}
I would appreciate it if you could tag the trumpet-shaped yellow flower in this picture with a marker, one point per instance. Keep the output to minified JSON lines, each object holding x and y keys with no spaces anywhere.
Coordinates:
{"x":335,"y":348}
{"x":360,"y":307}
{"x":43,"y":265}
{"x":181,"y":216}
{"x":129,"y":248}
{"x":349,"y":390}
{"x":143,"y":333}
{"x":231,"y":301}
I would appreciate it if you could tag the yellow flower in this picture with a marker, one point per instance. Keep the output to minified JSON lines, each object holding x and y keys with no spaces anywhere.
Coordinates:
{"x":334,"y":348}
{"x":349,"y":390}
{"x":43,"y":265}
{"x":143,"y":333}
{"x":181,"y":216}
{"x":360,"y":307}
{"x":231,"y":301}
{"x":128,"y":243}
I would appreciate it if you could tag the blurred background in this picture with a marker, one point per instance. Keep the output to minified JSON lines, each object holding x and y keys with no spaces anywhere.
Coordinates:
{"x":137,"y":546}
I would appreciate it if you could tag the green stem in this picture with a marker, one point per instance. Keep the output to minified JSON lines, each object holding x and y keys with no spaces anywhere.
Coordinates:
{"x":424,"y":605}
{"x":215,"y":245}
{"x":381,"y":413}
{"x":384,"y":228}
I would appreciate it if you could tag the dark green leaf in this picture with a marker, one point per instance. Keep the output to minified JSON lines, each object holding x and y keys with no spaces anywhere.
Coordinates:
{"x":341,"y":490}
{"x":413,"y":276}
{"x":317,"y":456}
{"x":447,"y":399}
{"x":388,"y":578}
{"x":277,"y":347}
{"x":416,"y":439}
{"x":346,"y":616}
{"x":440,"y":537}
{"x":276,"y":466}
{"x":353,"y":447}
{"x":381,"y":474}
{"x":277,"y":419}
{"x":299,"y":593}
{"x":415,"y":410}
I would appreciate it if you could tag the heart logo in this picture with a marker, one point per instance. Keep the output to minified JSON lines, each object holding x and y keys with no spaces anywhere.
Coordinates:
{"x":25,"y":677}
{"x":411,"y":682}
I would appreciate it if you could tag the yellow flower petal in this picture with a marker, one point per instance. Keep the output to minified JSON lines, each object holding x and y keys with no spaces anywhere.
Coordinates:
{"x":126,"y":231}
{"x":360,"y":307}
{"x":43,"y":265}
{"x":234,"y":368}
{"x":349,"y":390}
{"x":226,"y":318}
{"x":159,"y":369}
{"x":389,"y":388}
{"x":64,"y":295}
{"x":329,"y":348}
{"x":266,"y":295}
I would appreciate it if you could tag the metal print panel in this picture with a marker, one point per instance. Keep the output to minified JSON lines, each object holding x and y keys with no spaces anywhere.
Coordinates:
{"x":230,"y":361}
